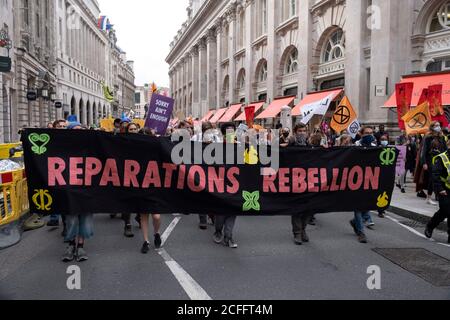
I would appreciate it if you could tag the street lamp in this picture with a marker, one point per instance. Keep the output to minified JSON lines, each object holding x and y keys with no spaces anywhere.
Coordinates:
{"x":44,"y":93}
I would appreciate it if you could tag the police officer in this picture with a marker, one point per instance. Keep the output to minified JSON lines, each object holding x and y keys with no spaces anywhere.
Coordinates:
{"x":441,"y":181}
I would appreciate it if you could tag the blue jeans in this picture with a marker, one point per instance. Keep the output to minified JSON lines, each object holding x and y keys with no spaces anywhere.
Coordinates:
{"x":79,"y":226}
{"x":360,"y":218}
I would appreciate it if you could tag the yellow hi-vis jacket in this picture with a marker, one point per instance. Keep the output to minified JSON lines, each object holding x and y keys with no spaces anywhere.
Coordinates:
{"x":446,"y":162}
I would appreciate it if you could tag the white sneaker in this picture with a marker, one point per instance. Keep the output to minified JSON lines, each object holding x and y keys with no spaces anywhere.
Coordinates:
{"x":431,"y":202}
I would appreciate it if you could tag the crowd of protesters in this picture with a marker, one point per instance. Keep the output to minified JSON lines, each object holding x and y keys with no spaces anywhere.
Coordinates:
{"x":420,"y":161}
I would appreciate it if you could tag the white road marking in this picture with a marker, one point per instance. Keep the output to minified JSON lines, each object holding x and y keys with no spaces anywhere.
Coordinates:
{"x":169,"y":230}
{"x":415,"y":231}
{"x":189,"y":285}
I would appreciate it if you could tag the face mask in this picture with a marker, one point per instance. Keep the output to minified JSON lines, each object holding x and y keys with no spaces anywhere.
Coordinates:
{"x":286,"y":134}
{"x":368,"y":140}
{"x":384,"y":143}
{"x":437,"y":129}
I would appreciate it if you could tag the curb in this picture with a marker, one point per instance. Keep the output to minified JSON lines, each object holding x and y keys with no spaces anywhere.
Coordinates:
{"x":415,"y":216}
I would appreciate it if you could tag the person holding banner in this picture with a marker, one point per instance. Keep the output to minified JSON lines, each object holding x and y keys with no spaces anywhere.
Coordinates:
{"x":441,"y":181}
{"x":426,"y":157}
{"x":225,"y":224}
{"x":79,"y":227}
{"x":367,"y":140}
{"x":300,"y":221}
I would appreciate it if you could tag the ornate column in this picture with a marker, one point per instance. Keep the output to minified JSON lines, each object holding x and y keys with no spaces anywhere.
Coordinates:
{"x":195,"y":84}
{"x":211,"y":82}
{"x":219,"y":77}
{"x":250,"y":72}
{"x":231,"y":17}
{"x":202,"y":75}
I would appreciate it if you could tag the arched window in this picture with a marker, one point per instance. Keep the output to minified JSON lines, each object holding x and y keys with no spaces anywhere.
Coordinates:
{"x":262,"y":72}
{"x":441,"y":19}
{"x":291,"y":62}
{"x":335,"y":47}
{"x":241,"y":79}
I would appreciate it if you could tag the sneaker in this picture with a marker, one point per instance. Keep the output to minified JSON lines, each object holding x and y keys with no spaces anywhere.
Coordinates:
{"x":53,"y":223}
{"x":421,"y":194}
{"x":81,"y":255}
{"x":128,"y":232}
{"x":370,"y":225}
{"x":362,"y":238}
{"x":305,"y":237}
{"x":230,"y":243}
{"x":381,"y":215}
{"x":298,"y":239}
{"x":203,"y":226}
{"x":158,"y":241}
{"x":312,"y":222}
{"x":145,"y":247}
{"x":138,"y":220}
{"x":403,"y":190}
{"x":428,"y":233}
{"x":352,"y":223}
{"x":69,"y":255}
{"x":218,"y":237}
{"x":398,"y":185}
{"x":431,"y":202}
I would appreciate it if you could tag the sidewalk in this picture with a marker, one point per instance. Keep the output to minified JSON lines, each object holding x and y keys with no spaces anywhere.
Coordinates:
{"x":408,"y":205}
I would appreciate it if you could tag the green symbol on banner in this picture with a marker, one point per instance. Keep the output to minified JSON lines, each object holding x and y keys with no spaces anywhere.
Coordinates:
{"x":387,"y":157}
{"x":251,"y":201}
{"x":39,"y":142}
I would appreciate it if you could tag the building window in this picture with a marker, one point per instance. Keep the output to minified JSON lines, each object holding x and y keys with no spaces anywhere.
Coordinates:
{"x":289,"y":9}
{"x":241,"y":80}
{"x":441,"y":19}
{"x":262,"y":74}
{"x":261,"y":18}
{"x":292,"y":62}
{"x":439,"y":65}
{"x":335,"y":47}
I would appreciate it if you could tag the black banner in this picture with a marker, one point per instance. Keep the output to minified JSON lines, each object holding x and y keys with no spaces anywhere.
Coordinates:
{"x":77,"y":172}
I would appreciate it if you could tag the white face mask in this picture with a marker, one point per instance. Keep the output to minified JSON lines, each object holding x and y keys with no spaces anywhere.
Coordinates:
{"x":437,"y":129}
{"x":384,"y":143}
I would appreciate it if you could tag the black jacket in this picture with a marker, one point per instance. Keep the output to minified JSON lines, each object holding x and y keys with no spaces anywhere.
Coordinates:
{"x":439,"y":170}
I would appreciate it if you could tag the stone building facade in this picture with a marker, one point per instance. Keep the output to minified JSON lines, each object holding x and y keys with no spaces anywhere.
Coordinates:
{"x":59,"y":52}
{"x":251,"y":50}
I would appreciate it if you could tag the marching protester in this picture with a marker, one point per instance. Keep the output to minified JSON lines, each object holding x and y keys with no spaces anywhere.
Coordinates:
{"x":206,"y":136}
{"x":300,"y":221}
{"x":285,"y":137}
{"x":79,"y":227}
{"x":402,"y":141}
{"x":54,"y":218}
{"x":381,"y":132}
{"x":441,"y":184}
{"x":117,"y":125}
{"x":132,"y":128}
{"x":433,"y":143}
{"x":367,"y":140}
{"x":225,"y":224}
{"x":143,"y":219}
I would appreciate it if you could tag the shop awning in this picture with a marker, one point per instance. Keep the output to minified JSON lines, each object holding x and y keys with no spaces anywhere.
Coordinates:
{"x":231,"y":113}
{"x":208,"y":116}
{"x":315,"y":97}
{"x":219,"y":114}
{"x":423,"y":81}
{"x":275,"y":107}
{"x":258,"y":106}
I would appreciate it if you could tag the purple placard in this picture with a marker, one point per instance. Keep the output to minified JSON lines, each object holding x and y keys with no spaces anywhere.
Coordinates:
{"x":159,"y":113}
{"x":401,"y":162}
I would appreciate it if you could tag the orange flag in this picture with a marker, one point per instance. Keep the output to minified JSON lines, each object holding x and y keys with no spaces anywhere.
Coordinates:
{"x":344,"y":116}
{"x":418,"y":120}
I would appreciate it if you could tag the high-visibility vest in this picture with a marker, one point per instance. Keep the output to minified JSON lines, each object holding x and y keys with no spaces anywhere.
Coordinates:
{"x":446,"y":162}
